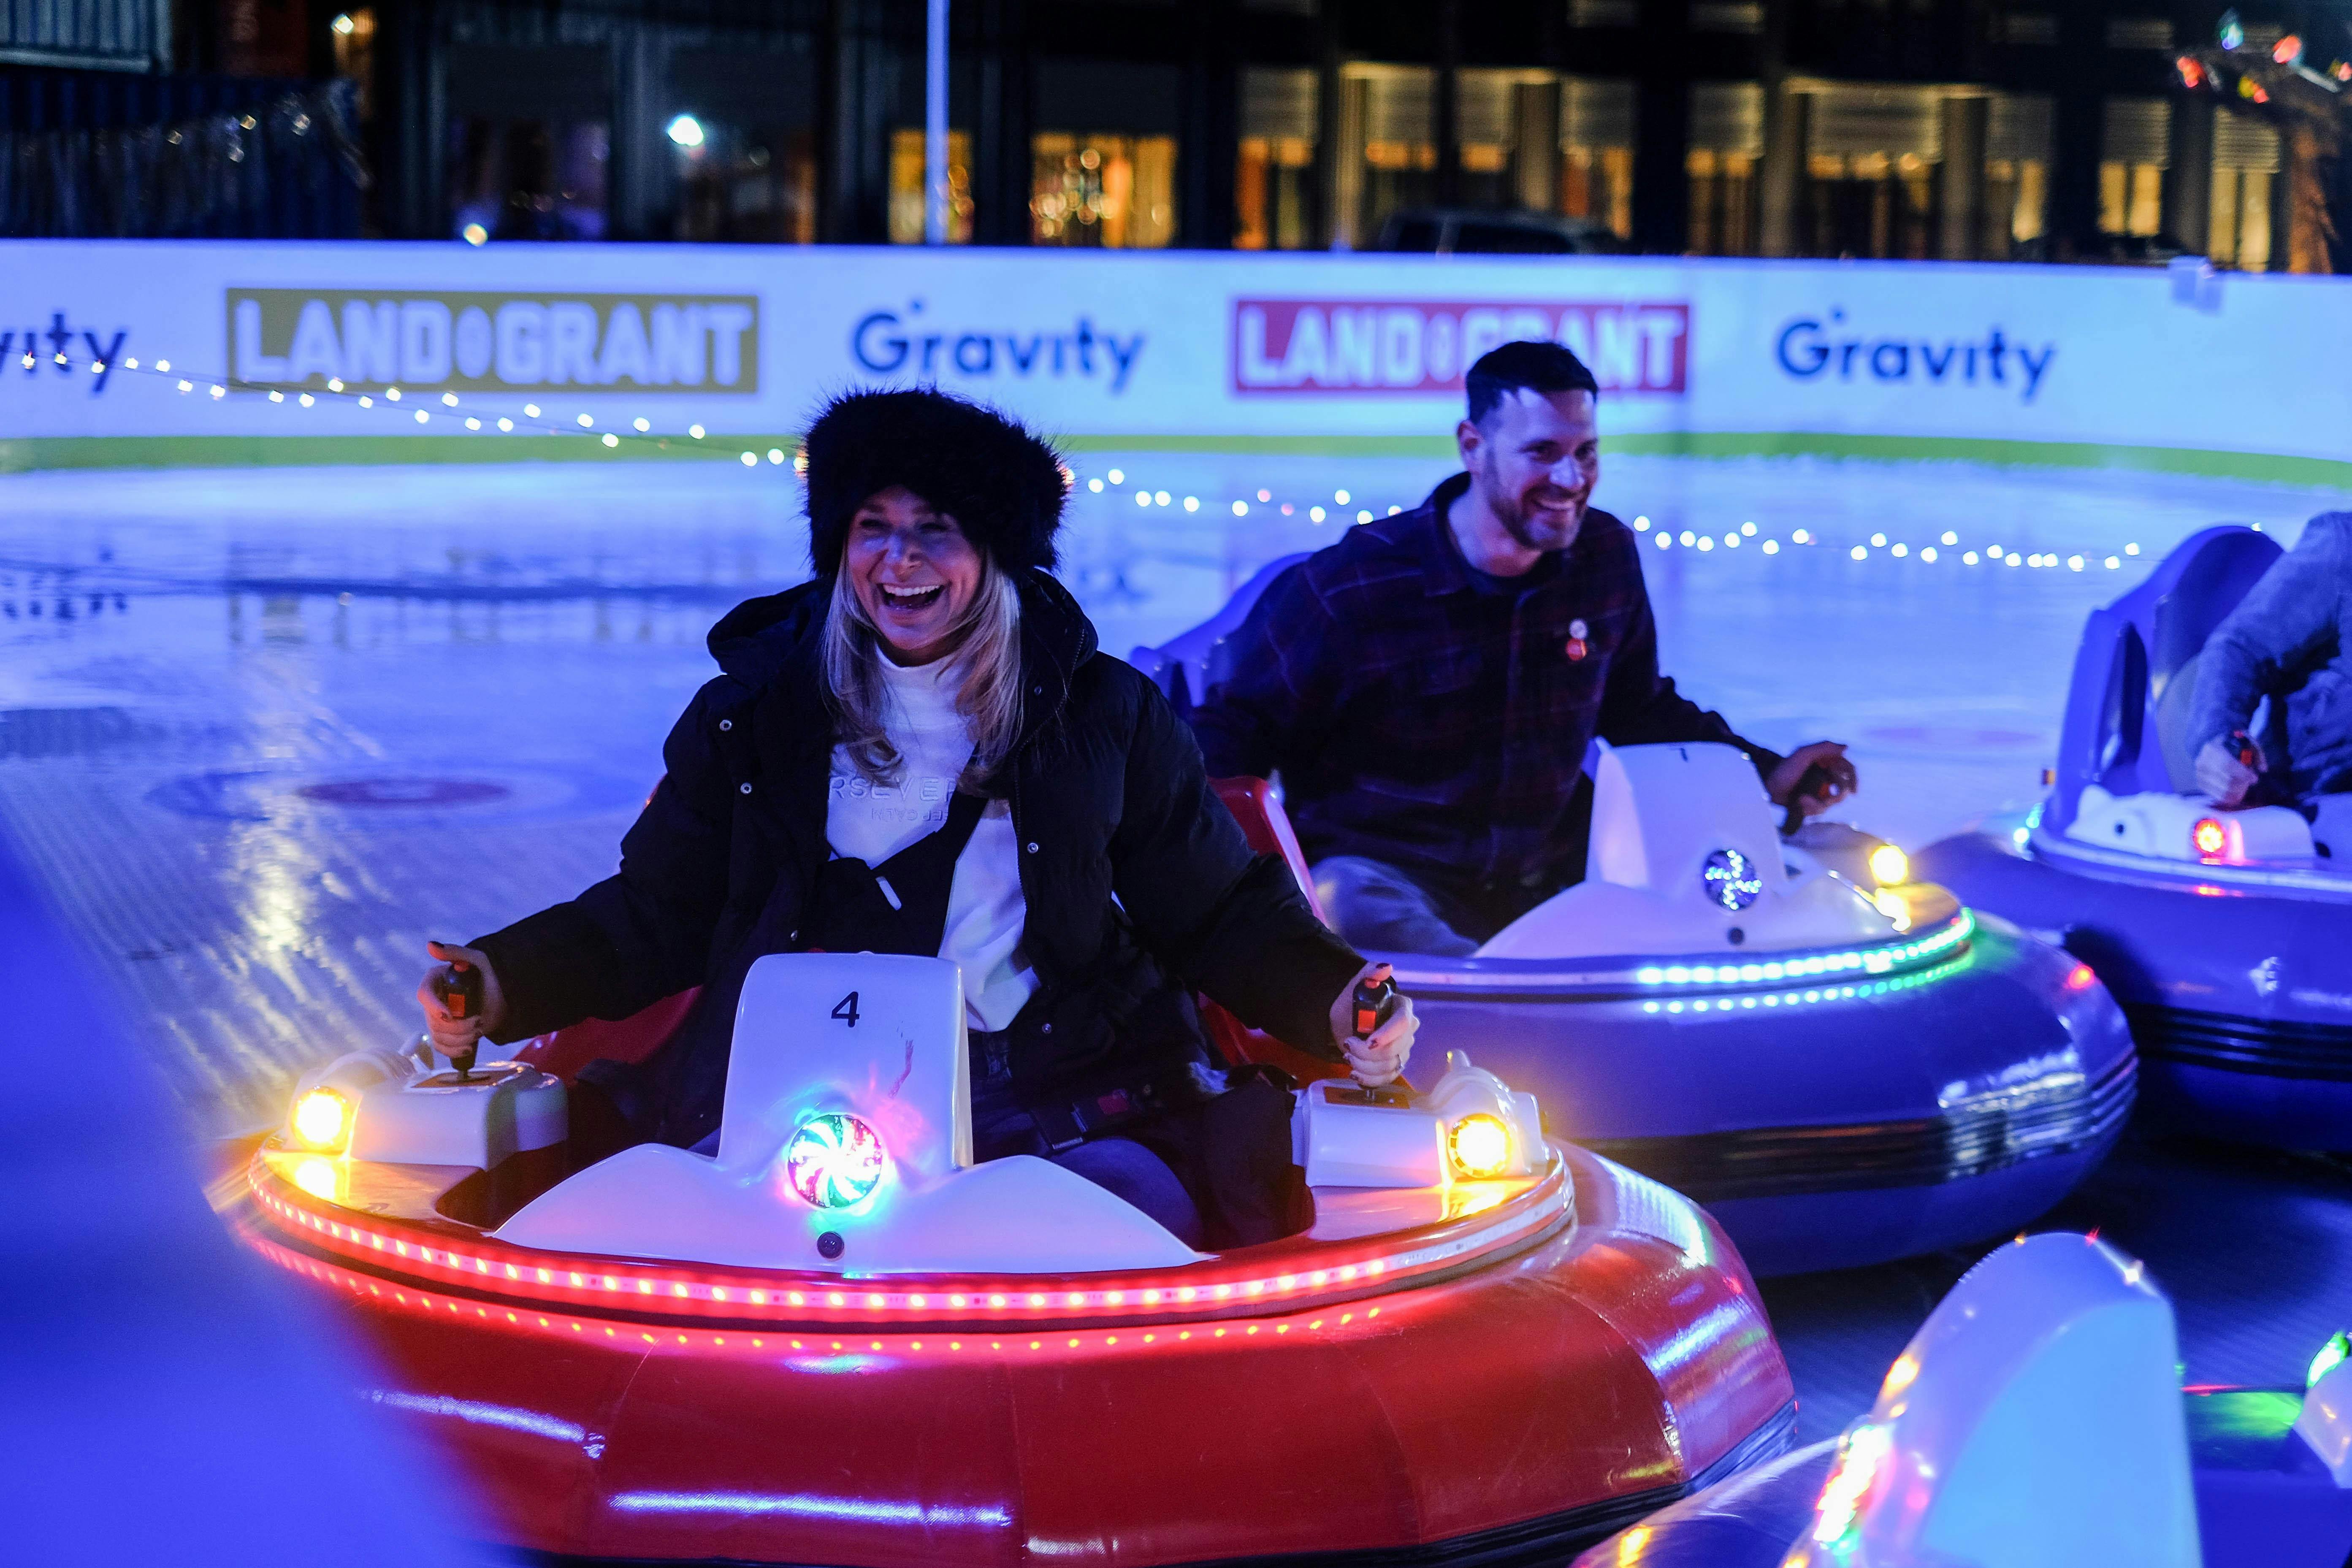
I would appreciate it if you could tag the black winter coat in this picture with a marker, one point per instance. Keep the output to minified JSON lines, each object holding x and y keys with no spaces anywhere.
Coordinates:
{"x":1139,"y":885}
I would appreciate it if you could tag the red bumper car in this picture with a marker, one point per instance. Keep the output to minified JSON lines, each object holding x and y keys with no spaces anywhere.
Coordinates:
{"x":841,"y":1341}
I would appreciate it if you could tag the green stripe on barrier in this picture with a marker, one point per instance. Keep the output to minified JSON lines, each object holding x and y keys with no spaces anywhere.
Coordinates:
{"x":22,"y":455}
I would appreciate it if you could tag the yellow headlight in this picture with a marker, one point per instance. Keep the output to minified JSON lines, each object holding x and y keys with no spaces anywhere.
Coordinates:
{"x":322,"y":1119}
{"x":1889,"y":866}
{"x":316,"y":1174}
{"x":1481,"y":1145}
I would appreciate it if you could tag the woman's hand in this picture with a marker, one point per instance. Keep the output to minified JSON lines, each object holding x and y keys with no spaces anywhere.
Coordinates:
{"x":2223,"y":776}
{"x":455,"y":1036}
{"x":1379,"y":1059}
{"x":1838,"y":779}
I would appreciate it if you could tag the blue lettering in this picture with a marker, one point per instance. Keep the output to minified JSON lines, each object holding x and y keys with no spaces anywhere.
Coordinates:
{"x":2034,"y":367}
{"x":894,"y":345}
{"x":1805,"y":350}
{"x":103,"y":357}
{"x":885,"y":343}
{"x":1813,"y":346}
{"x":1123,"y":354}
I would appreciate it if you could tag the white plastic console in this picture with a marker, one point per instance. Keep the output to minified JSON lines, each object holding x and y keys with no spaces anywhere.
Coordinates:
{"x":878,"y":1037}
{"x":1661,"y":816}
{"x":875,"y":1043}
{"x":1348,"y":1137}
{"x":405,"y":1110}
{"x":2165,"y":825}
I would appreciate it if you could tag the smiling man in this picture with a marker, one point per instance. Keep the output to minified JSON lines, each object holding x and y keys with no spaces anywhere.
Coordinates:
{"x":1428,"y":687}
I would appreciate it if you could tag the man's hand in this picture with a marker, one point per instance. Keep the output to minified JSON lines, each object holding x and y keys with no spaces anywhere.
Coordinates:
{"x":1379,"y":1059}
{"x":1837,"y":779}
{"x":2224,"y":779}
{"x":455,"y":1036}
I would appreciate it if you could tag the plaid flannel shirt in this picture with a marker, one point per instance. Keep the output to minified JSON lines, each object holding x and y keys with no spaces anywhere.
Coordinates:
{"x":1423,"y":723}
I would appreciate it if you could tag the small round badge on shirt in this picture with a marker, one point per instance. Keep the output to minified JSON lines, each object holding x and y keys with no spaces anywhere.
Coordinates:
{"x":1577,"y":632}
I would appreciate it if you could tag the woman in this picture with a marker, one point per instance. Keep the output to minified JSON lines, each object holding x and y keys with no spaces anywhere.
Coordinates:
{"x":922,"y":752}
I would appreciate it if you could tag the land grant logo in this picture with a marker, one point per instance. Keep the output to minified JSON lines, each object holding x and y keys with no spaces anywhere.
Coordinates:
{"x":1421,"y":347}
{"x":477,"y":341}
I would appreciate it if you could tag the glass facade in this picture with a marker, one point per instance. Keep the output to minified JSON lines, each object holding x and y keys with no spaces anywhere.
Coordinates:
{"x":755,"y":185}
{"x":1305,"y":126}
{"x":527,"y":179}
{"x":2245,"y":184}
{"x":528,"y":146}
{"x":2017,"y":176}
{"x":1726,"y":149}
{"x":1277,"y":203}
{"x":1112,"y":191}
{"x":907,"y":157}
{"x":1596,"y":153}
{"x":2135,"y":150}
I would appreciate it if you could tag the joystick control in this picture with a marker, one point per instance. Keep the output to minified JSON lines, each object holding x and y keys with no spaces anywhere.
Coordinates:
{"x":460,"y":992}
{"x":1374,"y":1003}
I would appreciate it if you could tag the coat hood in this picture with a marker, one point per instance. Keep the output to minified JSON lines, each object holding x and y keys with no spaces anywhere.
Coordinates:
{"x":1002,"y":483}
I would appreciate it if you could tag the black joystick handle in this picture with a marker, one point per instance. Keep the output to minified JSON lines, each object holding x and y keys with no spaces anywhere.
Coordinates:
{"x":1374,"y":1004}
{"x":1811,"y":782}
{"x":2249,"y":753}
{"x":461,"y":992}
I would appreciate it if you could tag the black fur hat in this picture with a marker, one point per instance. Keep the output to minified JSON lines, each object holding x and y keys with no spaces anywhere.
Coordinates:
{"x":1002,"y":484}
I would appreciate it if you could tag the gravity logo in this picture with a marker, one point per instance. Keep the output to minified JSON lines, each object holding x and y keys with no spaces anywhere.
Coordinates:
{"x":1809,"y":349}
{"x":888,"y":342}
{"x":81,"y":346}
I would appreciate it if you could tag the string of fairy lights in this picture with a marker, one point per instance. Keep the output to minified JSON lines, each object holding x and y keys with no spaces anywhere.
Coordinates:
{"x":422,"y":409}
{"x":1746,"y":534}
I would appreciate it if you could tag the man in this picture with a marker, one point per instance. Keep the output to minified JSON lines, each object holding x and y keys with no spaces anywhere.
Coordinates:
{"x":2287,"y":641}
{"x":1428,"y":687}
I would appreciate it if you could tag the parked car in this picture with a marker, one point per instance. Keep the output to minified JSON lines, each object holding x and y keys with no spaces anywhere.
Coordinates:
{"x":1446,"y":231}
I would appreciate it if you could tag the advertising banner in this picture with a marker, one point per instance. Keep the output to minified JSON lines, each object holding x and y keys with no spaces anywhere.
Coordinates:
{"x":442,"y":344}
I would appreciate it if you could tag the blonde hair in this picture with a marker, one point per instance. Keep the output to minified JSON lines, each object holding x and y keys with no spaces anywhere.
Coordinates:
{"x":988,"y":659}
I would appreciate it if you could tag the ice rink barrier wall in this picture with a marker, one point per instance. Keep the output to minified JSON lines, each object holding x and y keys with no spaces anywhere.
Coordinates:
{"x":2175,"y":370}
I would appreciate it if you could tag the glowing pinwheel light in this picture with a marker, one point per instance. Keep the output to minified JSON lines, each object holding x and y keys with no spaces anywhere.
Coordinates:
{"x":834,"y":1160}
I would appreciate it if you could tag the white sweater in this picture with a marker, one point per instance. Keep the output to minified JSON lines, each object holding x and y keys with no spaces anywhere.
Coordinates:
{"x":986,"y":911}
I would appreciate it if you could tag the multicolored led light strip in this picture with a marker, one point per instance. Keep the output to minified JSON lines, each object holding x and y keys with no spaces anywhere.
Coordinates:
{"x":1753,"y":1000}
{"x":1889,"y":959}
{"x":1209,"y":1290}
{"x":766,"y":1342}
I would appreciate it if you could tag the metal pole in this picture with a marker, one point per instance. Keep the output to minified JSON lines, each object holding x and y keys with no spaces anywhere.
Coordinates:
{"x":935,"y":128}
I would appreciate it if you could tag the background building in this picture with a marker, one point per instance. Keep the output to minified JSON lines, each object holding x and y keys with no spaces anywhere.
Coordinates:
{"x":1954,"y":129}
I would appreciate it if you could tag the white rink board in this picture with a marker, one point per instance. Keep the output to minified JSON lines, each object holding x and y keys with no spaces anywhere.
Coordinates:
{"x":1102,"y":346}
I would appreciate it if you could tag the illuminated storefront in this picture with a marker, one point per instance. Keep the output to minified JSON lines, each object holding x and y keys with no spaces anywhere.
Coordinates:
{"x":1684,"y":127}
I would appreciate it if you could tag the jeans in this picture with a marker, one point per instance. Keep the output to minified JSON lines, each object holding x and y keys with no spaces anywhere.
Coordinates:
{"x":1380,"y":908}
{"x":1121,"y":1166}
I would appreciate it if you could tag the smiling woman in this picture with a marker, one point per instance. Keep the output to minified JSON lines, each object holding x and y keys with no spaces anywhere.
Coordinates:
{"x":916,"y":590}
{"x":920,"y":753}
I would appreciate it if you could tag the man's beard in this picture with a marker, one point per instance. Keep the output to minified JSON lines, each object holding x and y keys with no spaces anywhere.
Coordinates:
{"x":1541,"y":537}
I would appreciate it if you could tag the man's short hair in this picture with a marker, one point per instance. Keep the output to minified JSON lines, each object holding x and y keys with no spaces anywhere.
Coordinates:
{"x":1538,"y":367}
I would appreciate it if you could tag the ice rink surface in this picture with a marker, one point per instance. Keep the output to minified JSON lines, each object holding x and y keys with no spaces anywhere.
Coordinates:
{"x":264,"y":732}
